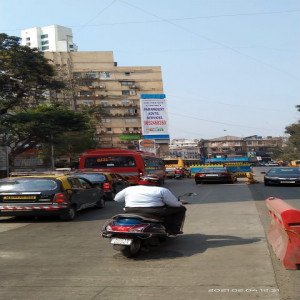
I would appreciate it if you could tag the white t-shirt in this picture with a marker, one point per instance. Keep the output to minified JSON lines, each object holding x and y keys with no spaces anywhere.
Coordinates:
{"x":146,"y":196}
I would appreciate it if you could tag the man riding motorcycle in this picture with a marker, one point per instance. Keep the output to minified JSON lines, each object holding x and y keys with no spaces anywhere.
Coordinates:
{"x":150,"y":199}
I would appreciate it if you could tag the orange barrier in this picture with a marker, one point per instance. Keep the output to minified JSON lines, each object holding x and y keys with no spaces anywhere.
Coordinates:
{"x":284,"y":232}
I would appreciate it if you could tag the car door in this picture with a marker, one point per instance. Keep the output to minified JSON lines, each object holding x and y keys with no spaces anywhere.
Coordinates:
{"x":77,"y":196}
{"x":89,"y":195}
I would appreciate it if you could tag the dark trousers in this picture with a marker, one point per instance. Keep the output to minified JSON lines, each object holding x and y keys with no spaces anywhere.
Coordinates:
{"x":173,"y":216}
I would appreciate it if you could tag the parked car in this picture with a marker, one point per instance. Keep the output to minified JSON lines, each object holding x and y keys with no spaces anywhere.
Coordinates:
{"x":215,"y":174}
{"x":111,"y":183}
{"x":41,"y":195}
{"x":282,"y":175}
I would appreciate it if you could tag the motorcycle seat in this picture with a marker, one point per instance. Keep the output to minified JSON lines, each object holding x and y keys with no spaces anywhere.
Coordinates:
{"x":144,"y":217}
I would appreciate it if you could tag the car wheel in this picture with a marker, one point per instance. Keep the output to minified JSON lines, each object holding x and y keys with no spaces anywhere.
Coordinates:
{"x":69,"y":215}
{"x":101,"y":203}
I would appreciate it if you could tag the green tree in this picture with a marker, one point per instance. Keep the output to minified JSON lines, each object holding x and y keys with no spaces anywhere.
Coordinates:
{"x":25,"y":75}
{"x":22,"y":131}
{"x":292,"y":149}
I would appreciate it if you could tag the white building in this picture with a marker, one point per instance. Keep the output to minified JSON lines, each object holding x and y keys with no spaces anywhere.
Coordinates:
{"x":184,"y":148}
{"x":53,"y":38}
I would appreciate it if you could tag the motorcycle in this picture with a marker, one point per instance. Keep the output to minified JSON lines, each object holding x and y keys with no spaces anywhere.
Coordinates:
{"x":129,"y":233}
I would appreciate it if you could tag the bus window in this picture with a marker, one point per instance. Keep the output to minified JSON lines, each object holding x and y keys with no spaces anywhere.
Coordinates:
{"x":109,"y":161}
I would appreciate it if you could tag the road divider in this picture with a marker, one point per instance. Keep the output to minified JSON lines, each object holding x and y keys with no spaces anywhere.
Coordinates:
{"x":284,"y":232}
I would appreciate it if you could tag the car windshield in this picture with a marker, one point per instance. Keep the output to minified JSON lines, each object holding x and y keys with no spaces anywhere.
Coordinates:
{"x":213,"y":170}
{"x":93,"y":177}
{"x":28,"y":184}
{"x":281,"y":171}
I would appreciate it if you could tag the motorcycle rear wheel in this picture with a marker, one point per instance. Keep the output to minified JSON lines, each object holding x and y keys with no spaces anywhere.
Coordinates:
{"x":133,"y":249}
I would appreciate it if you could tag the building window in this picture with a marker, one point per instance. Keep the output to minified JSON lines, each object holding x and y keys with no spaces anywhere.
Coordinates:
{"x":76,"y":75}
{"x":104,"y":75}
{"x":125,"y":101}
{"x":125,"y":93}
{"x":44,"y":36}
{"x":237,"y":143}
{"x":224,"y":143}
{"x":71,"y":46}
{"x":249,"y":143}
{"x":103,"y":101}
{"x":108,"y":129}
{"x":45,"y":47}
{"x":87,"y":101}
{"x":105,"y":120}
{"x":90,"y":75}
{"x":85,"y":93}
{"x":28,"y":44}
{"x":28,"y":39}
{"x":127,"y":73}
{"x":131,"y":120}
{"x":127,"y":82}
{"x":85,"y":83}
{"x":45,"y":42}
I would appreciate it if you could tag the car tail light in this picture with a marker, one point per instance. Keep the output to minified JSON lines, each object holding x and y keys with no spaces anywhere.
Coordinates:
{"x":224,"y":174}
{"x":140,"y":173}
{"x":106,"y":186}
{"x":201,"y":175}
{"x":61,"y":198}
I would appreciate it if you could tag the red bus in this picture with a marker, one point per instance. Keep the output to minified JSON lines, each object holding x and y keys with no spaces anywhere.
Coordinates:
{"x":131,"y":164}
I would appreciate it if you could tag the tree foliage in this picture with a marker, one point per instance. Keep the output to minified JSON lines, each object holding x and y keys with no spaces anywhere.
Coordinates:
{"x":25,"y":75}
{"x":22,"y":131}
{"x":292,"y":149}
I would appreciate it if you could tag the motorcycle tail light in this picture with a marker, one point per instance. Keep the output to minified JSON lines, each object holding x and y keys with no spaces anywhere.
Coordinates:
{"x":138,"y":228}
{"x":120,"y":228}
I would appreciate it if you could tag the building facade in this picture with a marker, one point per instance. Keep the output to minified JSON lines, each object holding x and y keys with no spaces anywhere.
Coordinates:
{"x":184,"y":148}
{"x":49,"y":38}
{"x":255,"y":147}
{"x":95,"y":79}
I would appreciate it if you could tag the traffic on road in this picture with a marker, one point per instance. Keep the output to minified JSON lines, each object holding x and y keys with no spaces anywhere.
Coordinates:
{"x":223,"y":252}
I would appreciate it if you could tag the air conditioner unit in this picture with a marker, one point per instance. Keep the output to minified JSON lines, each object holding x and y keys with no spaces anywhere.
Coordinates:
{"x":131,"y":92}
{"x":132,"y":86}
{"x":102,"y":86}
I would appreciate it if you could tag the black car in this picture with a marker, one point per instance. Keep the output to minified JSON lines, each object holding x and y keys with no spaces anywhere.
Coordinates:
{"x":111,"y":183}
{"x":282,"y":176}
{"x":46,"y":195}
{"x":215,"y":174}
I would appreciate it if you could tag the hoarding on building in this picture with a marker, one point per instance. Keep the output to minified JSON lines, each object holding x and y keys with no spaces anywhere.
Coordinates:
{"x":154,"y":115}
{"x":147,"y":145}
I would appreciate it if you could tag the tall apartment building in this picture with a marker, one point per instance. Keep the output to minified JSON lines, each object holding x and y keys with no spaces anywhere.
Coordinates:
{"x":95,"y":79}
{"x":49,"y":38}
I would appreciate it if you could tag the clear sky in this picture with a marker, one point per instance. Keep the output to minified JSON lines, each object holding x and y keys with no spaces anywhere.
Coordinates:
{"x":230,"y":67}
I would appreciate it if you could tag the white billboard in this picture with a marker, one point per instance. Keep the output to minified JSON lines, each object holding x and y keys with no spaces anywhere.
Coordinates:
{"x":154,"y":116}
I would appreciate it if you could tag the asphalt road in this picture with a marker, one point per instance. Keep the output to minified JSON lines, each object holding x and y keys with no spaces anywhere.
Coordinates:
{"x":223,"y":253}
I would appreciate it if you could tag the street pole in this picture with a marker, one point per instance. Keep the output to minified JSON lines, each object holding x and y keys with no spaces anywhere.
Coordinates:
{"x":52,"y":154}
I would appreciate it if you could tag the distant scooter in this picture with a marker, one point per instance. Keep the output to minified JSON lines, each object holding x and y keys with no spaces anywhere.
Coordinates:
{"x":129,"y":233}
